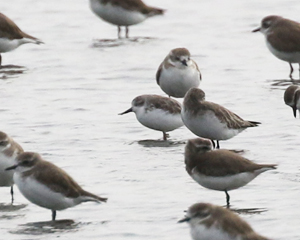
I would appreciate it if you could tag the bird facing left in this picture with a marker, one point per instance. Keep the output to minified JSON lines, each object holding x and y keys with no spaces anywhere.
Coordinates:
{"x":47,"y":185}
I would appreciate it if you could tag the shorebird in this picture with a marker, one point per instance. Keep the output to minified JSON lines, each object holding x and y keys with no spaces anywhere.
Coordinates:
{"x":220,"y":169}
{"x":47,"y":185}
{"x":157,"y":112}
{"x":11,"y":36}
{"x":210,"y":120}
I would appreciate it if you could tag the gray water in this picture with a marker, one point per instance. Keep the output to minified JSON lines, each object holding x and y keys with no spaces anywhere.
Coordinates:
{"x":65,"y":104}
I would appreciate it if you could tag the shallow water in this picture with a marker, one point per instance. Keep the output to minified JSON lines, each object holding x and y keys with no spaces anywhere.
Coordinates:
{"x":64,"y":104}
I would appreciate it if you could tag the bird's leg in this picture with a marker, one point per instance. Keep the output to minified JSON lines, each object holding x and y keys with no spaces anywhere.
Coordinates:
{"x":119,"y":32}
{"x":213,"y":143}
{"x":127,"y":32}
{"x":12,"y":194}
{"x":227,"y":199}
{"x":53,"y":215}
{"x":165,"y":136}
{"x":218,"y":145}
{"x":291,"y":72}
{"x":0,"y":61}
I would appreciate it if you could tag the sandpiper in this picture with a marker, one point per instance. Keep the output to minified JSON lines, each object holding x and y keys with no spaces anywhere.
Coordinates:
{"x":157,"y":112}
{"x":178,"y":73}
{"x":220,"y":169}
{"x":9,"y":150}
{"x":282,"y":38}
{"x":211,"y":222}
{"x":123,"y":12}
{"x":292,"y":98}
{"x":210,"y":120}
{"x":47,"y":185}
{"x":11,"y":36}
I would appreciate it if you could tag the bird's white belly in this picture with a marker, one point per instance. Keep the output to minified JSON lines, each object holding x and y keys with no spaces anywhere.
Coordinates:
{"x":208,"y":126}
{"x":7,"y":45}
{"x":116,"y":15}
{"x":229,"y":182}
{"x":160,"y":120}
{"x":41,"y":195}
{"x":6,"y":177}
{"x":176,"y":82}
{"x":201,"y":232}
{"x":291,"y":57}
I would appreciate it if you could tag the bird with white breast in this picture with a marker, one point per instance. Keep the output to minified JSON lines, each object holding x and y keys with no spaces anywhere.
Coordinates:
{"x":282,"y":38}
{"x":211,"y":222}
{"x":123,"y":12}
{"x":11,"y":36}
{"x":210,"y":120}
{"x":157,"y":113}
{"x":292,"y":98}
{"x":220,"y":169}
{"x":178,"y":73}
{"x":9,"y":150}
{"x":47,"y":185}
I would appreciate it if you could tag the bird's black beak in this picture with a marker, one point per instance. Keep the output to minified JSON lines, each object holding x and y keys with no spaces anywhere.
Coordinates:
{"x":256,"y":30}
{"x":186,"y":219}
{"x":127,"y":111}
{"x":11,"y":168}
{"x":184,"y":62}
{"x":295,"y":111}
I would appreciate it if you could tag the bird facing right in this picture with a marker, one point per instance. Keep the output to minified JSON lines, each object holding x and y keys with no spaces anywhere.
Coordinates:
{"x":211,"y":222}
{"x":11,"y":36}
{"x":292,"y":98}
{"x":47,"y":185}
{"x":282,"y":38}
{"x":178,"y":73}
{"x":221,"y":169}
{"x":210,"y":120}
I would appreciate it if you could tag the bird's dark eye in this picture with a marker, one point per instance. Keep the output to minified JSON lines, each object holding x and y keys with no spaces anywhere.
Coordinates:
{"x":26,"y":162}
{"x":3,"y":143}
{"x":177,"y":58}
{"x":266,"y":24}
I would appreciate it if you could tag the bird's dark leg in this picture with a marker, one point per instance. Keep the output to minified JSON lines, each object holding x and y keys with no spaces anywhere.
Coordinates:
{"x":291,"y":72}
{"x":53,"y":215}
{"x":165,"y":136}
{"x":218,"y":145}
{"x":12,"y":194}
{"x":119,"y":32}
{"x":127,"y":32}
{"x":227,"y":199}
{"x":0,"y":60}
{"x":213,"y":143}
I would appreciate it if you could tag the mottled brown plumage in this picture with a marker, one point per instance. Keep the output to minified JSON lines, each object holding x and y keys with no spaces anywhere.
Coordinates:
{"x":285,"y":34}
{"x":14,"y":148}
{"x":135,"y":5}
{"x":52,"y":176}
{"x":217,"y":163}
{"x":175,"y":53}
{"x":160,"y":102}
{"x":195,"y":102}
{"x":216,"y":218}
{"x":220,"y":170}
{"x":8,"y":29}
